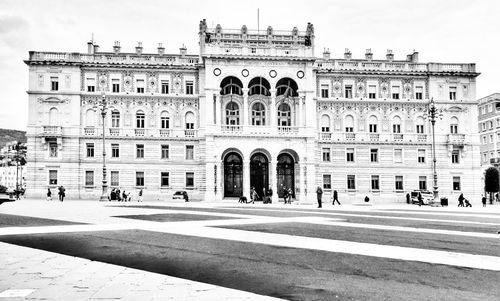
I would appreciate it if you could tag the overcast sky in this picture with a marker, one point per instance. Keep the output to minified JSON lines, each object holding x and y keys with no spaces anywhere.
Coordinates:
{"x":453,"y":31}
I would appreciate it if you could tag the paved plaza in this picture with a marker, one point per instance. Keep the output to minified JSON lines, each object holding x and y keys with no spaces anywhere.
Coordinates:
{"x":86,"y":250}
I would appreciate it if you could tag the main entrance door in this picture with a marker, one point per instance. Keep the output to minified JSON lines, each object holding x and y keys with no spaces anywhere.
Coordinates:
{"x":286,"y":174}
{"x":233,"y":175}
{"x":259,"y":173}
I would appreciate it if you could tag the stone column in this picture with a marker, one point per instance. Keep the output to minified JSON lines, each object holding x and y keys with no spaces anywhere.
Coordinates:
{"x":299,"y":113}
{"x":273,"y":108}
{"x":219,"y":194}
{"x":274,"y":181}
{"x":245,"y":106}
{"x":218,"y":110}
{"x":246,"y":178}
{"x":301,"y":175}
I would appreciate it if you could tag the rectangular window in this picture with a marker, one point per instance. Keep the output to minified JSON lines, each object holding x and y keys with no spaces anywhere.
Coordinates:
{"x":351,"y":182}
{"x":189,"y":152}
{"x":326,"y":154}
{"x":165,"y":151}
{"x":398,"y":155}
{"x":164,"y":87}
{"x":52,"y":177}
{"x":420,"y":128}
{"x":115,"y":151}
{"x":139,"y":151}
{"x":89,"y":178}
{"x":374,"y":155}
{"x":491,"y":138}
{"x":53,"y":149}
{"x":165,"y":179}
{"x":115,"y":178}
{"x":90,"y":150}
{"x":90,"y":84}
{"x":453,"y":93}
{"x":189,"y":125}
{"x":189,"y":88}
{"x":348,"y":91}
{"x":395,"y":92}
{"x":140,"y":86}
{"x":455,"y":156}
{"x":116,"y":85}
{"x":456,"y":183}
{"x":375,"y":183}
{"x":419,"y":92}
{"x":327,"y":182}
{"x":454,"y":128}
{"x":372,"y":128}
{"x":421,"y":156}
{"x":398,"y":182}
{"x":54,"y":83}
{"x":396,"y":128}
{"x":139,"y":178}
{"x":372,"y":91}
{"x":324,"y":91}
{"x":189,"y":179}
{"x":422,"y":182}
{"x":350,"y":155}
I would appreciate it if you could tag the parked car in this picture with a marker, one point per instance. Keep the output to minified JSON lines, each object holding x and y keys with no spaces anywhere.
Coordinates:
{"x":6,"y":195}
{"x":180,"y":195}
{"x":427,"y":197}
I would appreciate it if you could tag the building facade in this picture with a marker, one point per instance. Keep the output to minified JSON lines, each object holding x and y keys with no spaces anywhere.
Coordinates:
{"x":255,"y":108}
{"x":489,"y":128}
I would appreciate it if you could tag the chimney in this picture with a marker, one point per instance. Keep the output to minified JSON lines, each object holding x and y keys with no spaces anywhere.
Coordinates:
{"x":117,"y":47}
{"x":369,"y":54}
{"x":326,"y":54}
{"x":161,"y":49}
{"x":96,"y":48}
{"x":414,"y":57}
{"x":138,"y":48}
{"x":389,"y":56}
{"x":90,"y":47}
{"x":183,"y":50}
{"x":347,"y":54}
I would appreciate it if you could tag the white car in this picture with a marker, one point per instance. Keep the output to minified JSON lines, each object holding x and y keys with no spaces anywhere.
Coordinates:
{"x":427,"y":197}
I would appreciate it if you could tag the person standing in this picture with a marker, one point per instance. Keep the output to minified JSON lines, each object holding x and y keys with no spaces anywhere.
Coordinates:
{"x":319,"y":195}
{"x":461,"y":200}
{"x":139,"y":198}
{"x":420,"y":200}
{"x":285,"y":194}
{"x":49,"y":195}
{"x":408,"y":198}
{"x":483,"y":200}
{"x":62,"y":193}
{"x":335,"y":197}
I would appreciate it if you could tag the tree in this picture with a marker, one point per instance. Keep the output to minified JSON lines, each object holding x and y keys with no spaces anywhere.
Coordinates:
{"x":491,"y":181}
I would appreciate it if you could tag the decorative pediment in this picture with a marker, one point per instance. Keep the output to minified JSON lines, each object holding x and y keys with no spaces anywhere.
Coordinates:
{"x":455,"y":109}
{"x":52,"y":99}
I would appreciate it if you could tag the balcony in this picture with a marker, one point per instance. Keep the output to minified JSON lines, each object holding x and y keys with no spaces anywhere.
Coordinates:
{"x":456,"y":139}
{"x":114,"y":132}
{"x":397,"y":137}
{"x":288,"y":130}
{"x":350,"y":136}
{"x":139,"y":132}
{"x":422,"y":137}
{"x":189,"y":133}
{"x":89,"y":131}
{"x":232,"y":128}
{"x":325,"y":136}
{"x":374,"y":137}
{"x":164,"y":132}
{"x":51,"y":131}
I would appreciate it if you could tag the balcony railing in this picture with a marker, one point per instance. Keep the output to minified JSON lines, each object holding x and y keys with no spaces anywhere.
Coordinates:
{"x":232,"y":128}
{"x":325,"y":136}
{"x":114,"y":132}
{"x":374,"y":137}
{"x":456,"y":139}
{"x":397,"y":137}
{"x":350,"y":136}
{"x":422,"y":137}
{"x":139,"y":132}
{"x":164,"y":132}
{"x":288,"y":130}
{"x":190,"y":133}
{"x":89,"y":131}
{"x":51,"y":131}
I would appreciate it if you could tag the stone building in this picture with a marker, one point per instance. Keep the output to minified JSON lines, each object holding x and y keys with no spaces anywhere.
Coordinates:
{"x":255,"y":108}
{"x":489,"y":128}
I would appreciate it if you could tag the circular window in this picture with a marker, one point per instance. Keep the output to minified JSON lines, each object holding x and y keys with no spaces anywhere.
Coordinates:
{"x":245,"y":72}
{"x":300,"y":74}
{"x":217,"y":72}
{"x":273,"y":73}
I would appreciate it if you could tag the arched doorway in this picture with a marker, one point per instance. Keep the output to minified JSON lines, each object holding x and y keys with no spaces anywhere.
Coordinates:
{"x":259,"y":173}
{"x":286,"y":174}
{"x":233,"y":175}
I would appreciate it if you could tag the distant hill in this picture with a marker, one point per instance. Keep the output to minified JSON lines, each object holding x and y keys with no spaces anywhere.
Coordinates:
{"x":7,"y":135}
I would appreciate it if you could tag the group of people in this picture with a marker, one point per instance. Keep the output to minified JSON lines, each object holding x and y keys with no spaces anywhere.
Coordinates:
{"x":335,"y":197}
{"x":119,"y":196}
{"x":462,"y":200}
{"x":61,"y":193}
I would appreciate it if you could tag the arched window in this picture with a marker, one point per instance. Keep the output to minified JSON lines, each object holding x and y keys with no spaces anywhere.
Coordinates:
{"x":420,"y":125}
{"x":325,"y":123}
{"x":90,"y":119}
{"x":396,"y":125}
{"x":164,"y":120}
{"x":259,"y":86}
{"x":231,"y":85}
{"x":258,"y":114}
{"x":140,"y":119}
{"x":286,"y":87}
{"x":232,"y":114}
{"x":190,"y":121}
{"x":284,"y":115}
{"x":349,"y":124}
{"x":115,"y":119}
{"x":454,"y":125}
{"x":372,"y":124}
{"x":53,"y":117}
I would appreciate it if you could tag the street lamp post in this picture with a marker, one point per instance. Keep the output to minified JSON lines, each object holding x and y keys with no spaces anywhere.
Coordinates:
{"x":433,"y":113}
{"x":103,"y":107}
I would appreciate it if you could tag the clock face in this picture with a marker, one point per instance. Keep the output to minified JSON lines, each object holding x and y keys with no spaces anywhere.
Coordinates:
{"x":217,"y":72}
{"x":245,"y":72}
{"x":273,"y":73}
{"x":300,"y":74}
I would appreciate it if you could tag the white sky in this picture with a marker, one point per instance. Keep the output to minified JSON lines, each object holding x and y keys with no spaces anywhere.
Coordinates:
{"x":453,"y":31}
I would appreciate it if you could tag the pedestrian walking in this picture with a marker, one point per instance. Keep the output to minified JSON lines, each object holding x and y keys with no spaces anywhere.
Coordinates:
{"x":420,"y":200}
{"x":483,"y":200}
{"x":255,"y":195}
{"x":461,"y":200}
{"x":186,"y":197}
{"x":62,"y":193}
{"x":139,"y":197}
{"x":118,"y":195}
{"x":285,"y":194}
{"x":124,"y":196}
{"x":408,"y":198}
{"x":319,"y":195}
{"x":467,"y":204}
{"x":335,"y":197}
{"x":49,"y":195}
